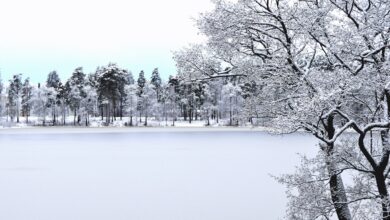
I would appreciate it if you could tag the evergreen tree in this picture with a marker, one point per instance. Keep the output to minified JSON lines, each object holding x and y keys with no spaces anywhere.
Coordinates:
{"x":141,"y":82}
{"x":140,"y":90}
{"x":53,"y":83}
{"x":75,"y":91}
{"x":14,"y":95}
{"x":156,"y":82}
{"x":173,"y":97}
{"x":111,"y":89}
{"x":62,"y":99}
{"x":53,"y":80}
{"x":26,"y":98}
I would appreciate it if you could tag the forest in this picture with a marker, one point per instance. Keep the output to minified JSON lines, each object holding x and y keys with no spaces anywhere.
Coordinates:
{"x":113,"y":93}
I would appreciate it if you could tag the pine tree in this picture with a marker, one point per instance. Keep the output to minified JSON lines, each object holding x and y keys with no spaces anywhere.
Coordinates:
{"x":14,"y":95}
{"x":62,"y":97}
{"x":141,"y":82}
{"x":156,"y":82}
{"x":26,"y":98}
{"x":111,"y":87}
{"x":53,"y":80}
{"x":173,"y":97}
{"x":140,"y":90}
{"x":53,"y":83}
{"x":75,"y":91}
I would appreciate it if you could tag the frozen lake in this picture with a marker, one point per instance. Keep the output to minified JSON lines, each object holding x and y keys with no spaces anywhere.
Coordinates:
{"x":145,"y":175}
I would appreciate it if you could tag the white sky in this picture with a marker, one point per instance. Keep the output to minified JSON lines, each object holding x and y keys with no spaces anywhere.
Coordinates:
{"x":43,"y":35}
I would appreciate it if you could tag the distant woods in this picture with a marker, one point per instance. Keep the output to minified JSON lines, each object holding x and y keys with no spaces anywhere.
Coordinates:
{"x":112,"y":94}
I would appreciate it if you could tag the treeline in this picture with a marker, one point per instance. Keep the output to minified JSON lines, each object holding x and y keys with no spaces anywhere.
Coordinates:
{"x":111,"y":93}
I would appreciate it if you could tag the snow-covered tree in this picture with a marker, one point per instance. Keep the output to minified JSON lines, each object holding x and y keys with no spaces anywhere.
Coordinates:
{"x":232,"y":102}
{"x":141,"y":81}
{"x":88,"y":104}
{"x":172,"y":97}
{"x":75,"y":87}
{"x":156,"y":83}
{"x":111,"y":85}
{"x":148,"y":101}
{"x":15,"y":96}
{"x":26,"y":98}
{"x":41,"y":99}
{"x":313,"y":62}
{"x":131,"y":101}
{"x":53,"y":81}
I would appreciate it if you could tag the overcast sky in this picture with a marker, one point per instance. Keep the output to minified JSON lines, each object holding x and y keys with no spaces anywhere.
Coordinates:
{"x":39,"y":36}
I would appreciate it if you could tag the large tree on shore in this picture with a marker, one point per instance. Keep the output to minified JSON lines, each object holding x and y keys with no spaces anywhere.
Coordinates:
{"x":315,"y":62}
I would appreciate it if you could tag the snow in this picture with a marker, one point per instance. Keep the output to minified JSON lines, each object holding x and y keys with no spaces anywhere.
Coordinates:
{"x":145,"y":173}
{"x":95,"y":122}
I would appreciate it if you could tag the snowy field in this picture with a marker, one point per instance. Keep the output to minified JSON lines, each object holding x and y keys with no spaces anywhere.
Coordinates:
{"x":145,"y":174}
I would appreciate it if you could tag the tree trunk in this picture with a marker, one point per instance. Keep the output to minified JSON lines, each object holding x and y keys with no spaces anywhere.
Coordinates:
{"x":196,"y":113}
{"x":102,"y":111}
{"x":108,"y":114}
{"x":379,"y":174}
{"x":230,"y":112}
{"x":121,"y":109}
{"x":208,"y":118}
{"x":114,"y":114}
{"x":146,"y":119}
{"x":74,"y":117}
{"x":190,"y":116}
{"x":27,"y":113}
{"x":54,"y":115}
{"x":185,"y":112}
{"x":382,"y":189}
{"x":337,"y":190}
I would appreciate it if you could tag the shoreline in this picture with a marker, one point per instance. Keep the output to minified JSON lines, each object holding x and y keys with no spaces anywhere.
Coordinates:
{"x":70,"y":130}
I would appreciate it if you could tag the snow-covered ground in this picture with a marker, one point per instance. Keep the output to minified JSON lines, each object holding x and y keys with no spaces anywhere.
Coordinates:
{"x":96,"y":122}
{"x":145,"y":174}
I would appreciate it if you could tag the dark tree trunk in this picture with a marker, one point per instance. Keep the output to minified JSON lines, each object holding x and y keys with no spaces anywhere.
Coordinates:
{"x":74,"y":117}
{"x":102,"y":112}
{"x":185,"y":112}
{"x":382,"y":189}
{"x":190,"y":115}
{"x":337,"y":189}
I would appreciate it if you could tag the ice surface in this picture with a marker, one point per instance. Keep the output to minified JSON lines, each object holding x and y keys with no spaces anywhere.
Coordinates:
{"x":141,"y":175}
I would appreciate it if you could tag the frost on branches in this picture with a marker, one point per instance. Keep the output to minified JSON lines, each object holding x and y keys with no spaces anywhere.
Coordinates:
{"x":319,"y":66}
